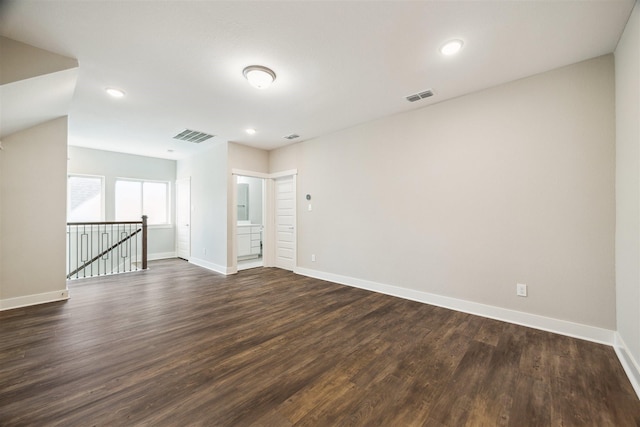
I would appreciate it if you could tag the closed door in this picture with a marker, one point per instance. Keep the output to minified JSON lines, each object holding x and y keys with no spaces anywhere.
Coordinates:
{"x":285,"y":207}
{"x":183,"y":218}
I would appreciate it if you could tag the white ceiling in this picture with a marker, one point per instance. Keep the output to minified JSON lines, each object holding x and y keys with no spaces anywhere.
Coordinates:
{"x":337,"y":63}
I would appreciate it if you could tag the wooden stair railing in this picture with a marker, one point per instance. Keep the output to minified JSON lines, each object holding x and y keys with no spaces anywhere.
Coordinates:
{"x":142,"y":229}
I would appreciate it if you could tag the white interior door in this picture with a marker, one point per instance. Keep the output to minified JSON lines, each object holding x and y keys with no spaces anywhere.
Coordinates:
{"x":285,"y":218}
{"x":183,"y":218}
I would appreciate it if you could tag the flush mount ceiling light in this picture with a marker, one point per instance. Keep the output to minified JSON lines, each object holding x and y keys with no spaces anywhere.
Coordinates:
{"x":250,"y":131}
{"x":451,"y":47}
{"x":116,"y":93}
{"x":258,"y":76}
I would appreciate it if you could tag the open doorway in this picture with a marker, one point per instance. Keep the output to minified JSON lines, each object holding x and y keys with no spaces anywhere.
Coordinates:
{"x":251,"y":220}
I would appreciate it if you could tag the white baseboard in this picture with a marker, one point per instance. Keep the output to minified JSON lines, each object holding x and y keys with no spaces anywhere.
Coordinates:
{"x":161,"y":255}
{"x":563,"y":327}
{"x":27,"y":300}
{"x":211,"y":266}
{"x":630,"y":365}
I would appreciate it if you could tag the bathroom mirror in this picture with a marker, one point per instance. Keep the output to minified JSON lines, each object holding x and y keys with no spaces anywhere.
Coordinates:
{"x":243,"y":202}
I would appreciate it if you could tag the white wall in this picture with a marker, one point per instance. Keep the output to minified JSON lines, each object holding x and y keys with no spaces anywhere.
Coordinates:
{"x":36,"y":86}
{"x":33,"y":167}
{"x":29,"y":61}
{"x":111,"y":165}
{"x":209,"y":191}
{"x":627,"y":60}
{"x":248,"y":158}
{"x":468,"y":197}
{"x":285,"y":158}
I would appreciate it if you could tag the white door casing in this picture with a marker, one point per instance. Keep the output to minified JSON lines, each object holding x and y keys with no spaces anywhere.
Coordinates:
{"x":183,"y":218}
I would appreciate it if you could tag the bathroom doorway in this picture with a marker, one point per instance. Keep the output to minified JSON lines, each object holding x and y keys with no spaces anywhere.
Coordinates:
{"x":251,"y":220}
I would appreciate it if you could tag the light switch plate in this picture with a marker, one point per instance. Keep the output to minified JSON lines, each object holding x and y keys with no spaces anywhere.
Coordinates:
{"x":521,"y":290}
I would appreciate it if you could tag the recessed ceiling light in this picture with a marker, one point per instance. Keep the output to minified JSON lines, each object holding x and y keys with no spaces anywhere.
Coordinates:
{"x":451,"y":47}
{"x":116,"y":93}
{"x":258,"y":76}
{"x":250,"y":131}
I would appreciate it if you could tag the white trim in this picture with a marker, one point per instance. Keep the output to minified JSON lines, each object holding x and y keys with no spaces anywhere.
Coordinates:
{"x":234,"y":221}
{"x":629,"y":364}
{"x":248,"y":264}
{"x":35,"y":299}
{"x":263,"y":175}
{"x":159,"y":226}
{"x":213,"y":267}
{"x":563,"y":327}
{"x":252,"y":174}
{"x":276,"y":175}
{"x":268,"y":234}
{"x":161,"y":255}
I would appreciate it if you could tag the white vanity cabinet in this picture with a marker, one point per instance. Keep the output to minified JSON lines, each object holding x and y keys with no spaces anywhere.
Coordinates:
{"x":249,"y":241}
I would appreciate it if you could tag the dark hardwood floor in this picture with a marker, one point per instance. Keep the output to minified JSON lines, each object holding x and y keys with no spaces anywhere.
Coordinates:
{"x":178,"y":345}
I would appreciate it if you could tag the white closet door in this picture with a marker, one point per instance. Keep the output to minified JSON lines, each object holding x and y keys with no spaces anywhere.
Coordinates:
{"x":285,"y":207}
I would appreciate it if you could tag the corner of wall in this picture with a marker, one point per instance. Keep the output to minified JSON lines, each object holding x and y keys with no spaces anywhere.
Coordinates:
{"x":627,"y":234}
{"x":37,"y":159}
{"x":629,"y":364}
{"x":208,"y":173}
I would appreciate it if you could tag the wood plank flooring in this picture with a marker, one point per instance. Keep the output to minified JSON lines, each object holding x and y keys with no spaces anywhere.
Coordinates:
{"x":178,"y":345}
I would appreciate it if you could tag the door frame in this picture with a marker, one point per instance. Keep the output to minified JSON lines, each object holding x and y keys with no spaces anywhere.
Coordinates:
{"x":188,"y":182}
{"x":234,"y":206}
{"x":268,"y":234}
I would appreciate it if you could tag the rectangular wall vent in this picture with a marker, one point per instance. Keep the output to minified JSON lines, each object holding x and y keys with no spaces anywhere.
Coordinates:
{"x":418,"y":96}
{"x":292,"y":136}
{"x":193,"y":136}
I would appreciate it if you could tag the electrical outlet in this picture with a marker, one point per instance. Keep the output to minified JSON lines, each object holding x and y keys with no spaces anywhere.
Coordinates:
{"x":521,"y":290}
{"x":313,"y":257}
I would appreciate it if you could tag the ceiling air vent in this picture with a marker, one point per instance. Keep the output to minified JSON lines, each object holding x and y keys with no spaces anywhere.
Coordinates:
{"x":418,"y":96}
{"x":193,"y":136}
{"x":292,"y":136}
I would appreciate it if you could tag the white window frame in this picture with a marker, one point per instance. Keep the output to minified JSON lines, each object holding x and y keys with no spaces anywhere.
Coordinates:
{"x":142,"y":181}
{"x":102,"y":193}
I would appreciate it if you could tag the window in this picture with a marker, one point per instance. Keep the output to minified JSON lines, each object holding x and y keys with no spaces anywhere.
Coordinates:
{"x":85,"y":198}
{"x":137,"y":198}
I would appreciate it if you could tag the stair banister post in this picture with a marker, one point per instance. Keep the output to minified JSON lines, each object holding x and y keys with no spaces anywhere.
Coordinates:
{"x":144,"y":242}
